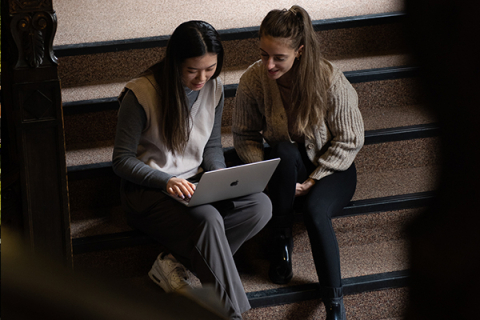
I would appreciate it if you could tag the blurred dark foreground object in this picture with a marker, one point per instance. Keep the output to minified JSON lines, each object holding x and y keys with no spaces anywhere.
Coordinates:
{"x":36,"y":288}
{"x":445,"y":241}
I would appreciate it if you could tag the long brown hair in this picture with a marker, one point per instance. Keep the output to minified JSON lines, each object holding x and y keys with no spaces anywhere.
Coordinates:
{"x":313,"y":73}
{"x":190,"y":39}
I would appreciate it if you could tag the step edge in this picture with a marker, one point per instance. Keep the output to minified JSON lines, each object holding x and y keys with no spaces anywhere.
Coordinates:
{"x":226,"y":34}
{"x":71,"y":108}
{"x":354,"y":285}
{"x":374,"y":205}
{"x":404,"y":133}
{"x":358,"y":76}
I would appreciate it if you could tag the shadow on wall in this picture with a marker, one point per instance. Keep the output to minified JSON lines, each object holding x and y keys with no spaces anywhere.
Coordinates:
{"x":445,"y":247}
{"x":36,"y":288}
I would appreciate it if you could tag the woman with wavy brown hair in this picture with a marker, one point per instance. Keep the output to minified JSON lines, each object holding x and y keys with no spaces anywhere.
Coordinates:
{"x":307,"y":112}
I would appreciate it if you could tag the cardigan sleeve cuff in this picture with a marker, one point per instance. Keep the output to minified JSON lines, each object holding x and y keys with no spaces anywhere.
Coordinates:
{"x":321,"y":172}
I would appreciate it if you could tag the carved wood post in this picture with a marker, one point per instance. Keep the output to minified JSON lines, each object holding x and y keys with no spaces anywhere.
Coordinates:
{"x":32,"y":111}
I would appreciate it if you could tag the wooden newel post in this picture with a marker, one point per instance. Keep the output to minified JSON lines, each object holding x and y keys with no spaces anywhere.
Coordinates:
{"x":32,"y":112}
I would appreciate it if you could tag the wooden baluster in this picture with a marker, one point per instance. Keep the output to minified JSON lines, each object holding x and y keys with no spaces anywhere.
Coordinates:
{"x":36,"y":194}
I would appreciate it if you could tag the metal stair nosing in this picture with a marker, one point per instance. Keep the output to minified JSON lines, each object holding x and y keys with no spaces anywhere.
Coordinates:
{"x":402,"y":133}
{"x":88,"y":106}
{"x":354,"y":285}
{"x":359,"y":76}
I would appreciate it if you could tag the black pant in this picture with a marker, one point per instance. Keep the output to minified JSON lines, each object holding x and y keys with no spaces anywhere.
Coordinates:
{"x":325,"y":200}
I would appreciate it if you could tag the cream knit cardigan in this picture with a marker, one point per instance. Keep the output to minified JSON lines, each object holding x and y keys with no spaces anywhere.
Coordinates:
{"x":259,"y":113}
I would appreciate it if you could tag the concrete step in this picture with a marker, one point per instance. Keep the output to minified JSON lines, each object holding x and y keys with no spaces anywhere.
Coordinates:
{"x":341,"y":45}
{"x":100,"y":213}
{"x":383,"y":103}
{"x":82,"y":149}
{"x":370,"y":245}
{"x":100,"y":84}
{"x":384,"y":304}
{"x":90,"y":22}
{"x":385,"y":169}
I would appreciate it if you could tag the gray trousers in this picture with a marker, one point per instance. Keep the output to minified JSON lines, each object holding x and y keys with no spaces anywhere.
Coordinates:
{"x":203,"y":238}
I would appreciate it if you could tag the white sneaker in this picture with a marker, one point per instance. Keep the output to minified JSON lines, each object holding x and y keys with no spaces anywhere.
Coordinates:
{"x":169,"y":274}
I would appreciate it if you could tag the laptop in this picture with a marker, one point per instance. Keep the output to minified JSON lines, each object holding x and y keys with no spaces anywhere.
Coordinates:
{"x":231,"y":182}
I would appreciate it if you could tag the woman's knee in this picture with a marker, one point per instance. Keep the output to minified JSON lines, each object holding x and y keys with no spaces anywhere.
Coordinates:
{"x":283,"y":150}
{"x":317,"y":211}
{"x":208,"y":217}
{"x":257,"y":206}
{"x":263,"y":205}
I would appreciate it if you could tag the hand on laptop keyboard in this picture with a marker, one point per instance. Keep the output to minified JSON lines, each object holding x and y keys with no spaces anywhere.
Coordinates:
{"x":180,"y":187}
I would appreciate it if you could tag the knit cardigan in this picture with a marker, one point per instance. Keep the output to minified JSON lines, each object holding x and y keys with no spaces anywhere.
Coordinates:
{"x":259,"y":114}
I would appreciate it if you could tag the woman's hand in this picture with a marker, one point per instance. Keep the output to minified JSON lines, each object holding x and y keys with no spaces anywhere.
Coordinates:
{"x":180,"y":187}
{"x":302,"y":188}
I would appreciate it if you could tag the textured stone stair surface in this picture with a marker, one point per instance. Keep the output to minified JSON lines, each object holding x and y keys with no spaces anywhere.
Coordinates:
{"x":377,"y":305}
{"x":88,"y":22}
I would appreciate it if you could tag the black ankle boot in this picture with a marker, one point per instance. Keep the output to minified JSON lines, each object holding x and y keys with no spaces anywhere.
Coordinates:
{"x":333,"y":301}
{"x":281,"y":257}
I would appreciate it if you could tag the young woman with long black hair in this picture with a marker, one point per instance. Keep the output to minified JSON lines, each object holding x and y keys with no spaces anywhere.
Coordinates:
{"x":168,"y":131}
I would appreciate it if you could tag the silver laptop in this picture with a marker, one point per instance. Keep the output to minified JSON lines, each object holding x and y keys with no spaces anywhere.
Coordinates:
{"x":231,"y":182}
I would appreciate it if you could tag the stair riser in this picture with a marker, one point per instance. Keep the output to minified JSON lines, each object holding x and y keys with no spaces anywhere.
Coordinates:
{"x":90,"y":129}
{"x":97,"y":195}
{"x":121,"y":66}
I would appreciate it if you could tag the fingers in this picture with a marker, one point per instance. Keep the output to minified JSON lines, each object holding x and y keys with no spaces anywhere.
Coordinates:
{"x":180,"y":187}
{"x":302,"y":189}
{"x":299,"y":190}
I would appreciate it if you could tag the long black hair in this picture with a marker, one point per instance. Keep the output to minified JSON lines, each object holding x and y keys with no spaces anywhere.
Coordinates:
{"x":189,"y":40}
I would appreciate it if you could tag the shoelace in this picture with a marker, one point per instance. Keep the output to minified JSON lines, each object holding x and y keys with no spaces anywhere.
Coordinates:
{"x":179,"y":276}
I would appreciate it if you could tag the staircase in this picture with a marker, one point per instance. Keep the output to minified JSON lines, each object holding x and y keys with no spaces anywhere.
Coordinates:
{"x":100,"y":49}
